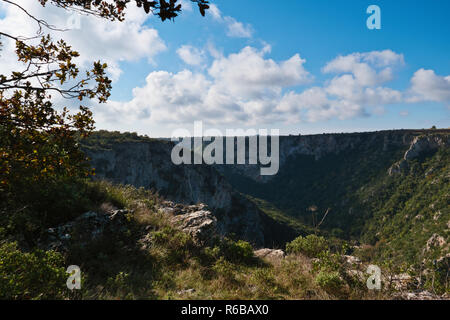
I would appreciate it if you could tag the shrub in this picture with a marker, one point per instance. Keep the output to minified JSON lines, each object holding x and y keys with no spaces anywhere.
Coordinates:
{"x":310,"y":245}
{"x":236,"y":251}
{"x":331,"y":282}
{"x":34,"y":275}
{"x":225,"y":270}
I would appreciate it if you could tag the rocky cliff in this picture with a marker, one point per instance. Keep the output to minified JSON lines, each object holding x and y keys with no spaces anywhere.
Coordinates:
{"x":413,"y":142}
{"x":322,"y":170}
{"x":147,"y":163}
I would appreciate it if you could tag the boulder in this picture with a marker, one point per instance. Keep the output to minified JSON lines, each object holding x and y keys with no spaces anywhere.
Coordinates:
{"x":435,"y":241}
{"x":269,"y":253}
{"x":201,"y":225}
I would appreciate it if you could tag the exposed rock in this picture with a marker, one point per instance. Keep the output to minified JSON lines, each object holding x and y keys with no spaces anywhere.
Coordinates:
{"x":186,"y":291}
{"x":443,"y":263}
{"x":269,"y":253}
{"x":148,"y":164}
{"x":420,"y":295}
{"x":423,"y":144}
{"x":398,"y":167}
{"x":352,"y":260}
{"x":401,"y":282}
{"x":435,"y":241}
{"x":201,"y":225}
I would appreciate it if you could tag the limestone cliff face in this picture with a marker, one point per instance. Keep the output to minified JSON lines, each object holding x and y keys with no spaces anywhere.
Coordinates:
{"x":321,"y":145}
{"x":419,"y":146}
{"x":148,"y":164}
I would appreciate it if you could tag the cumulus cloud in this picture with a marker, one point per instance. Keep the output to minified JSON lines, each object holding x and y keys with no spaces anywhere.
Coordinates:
{"x":426,"y":85}
{"x":368,"y":69}
{"x":240,"y":87}
{"x":95,"y":39}
{"x":191,"y":55}
{"x":247,"y":74}
{"x":248,"y":88}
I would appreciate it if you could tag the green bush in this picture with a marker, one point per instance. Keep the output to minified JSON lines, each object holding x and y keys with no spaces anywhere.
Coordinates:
{"x":310,"y":245}
{"x":331,"y":282}
{"x":236,"y":251}
{"x":224,"y":269}
{"x":34,"y":275}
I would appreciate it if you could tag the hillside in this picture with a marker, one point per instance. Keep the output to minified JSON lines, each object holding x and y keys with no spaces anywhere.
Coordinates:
{"x":145,"y":228}
{"x":387,"y":190}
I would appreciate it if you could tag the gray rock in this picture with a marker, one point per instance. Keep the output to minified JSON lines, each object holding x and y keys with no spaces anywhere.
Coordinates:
{"x":435,"y":241}
{"x":148,"y":164}
{"x":420,"y":295}
{"x":269,"y":253}
{"x":424,"y":144}
{"x":201,"y":225}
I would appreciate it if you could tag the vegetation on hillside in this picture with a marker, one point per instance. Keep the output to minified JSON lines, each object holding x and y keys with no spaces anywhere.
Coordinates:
{"x":152,"y":259}
{"x":392,"y":216}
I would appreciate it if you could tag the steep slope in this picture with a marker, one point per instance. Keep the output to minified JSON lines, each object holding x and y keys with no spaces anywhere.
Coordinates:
{"x":144,"y":162}
{"x":388,"y":189}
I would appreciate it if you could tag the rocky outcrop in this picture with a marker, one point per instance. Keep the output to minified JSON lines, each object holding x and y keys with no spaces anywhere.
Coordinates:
{"x":148,"y":164}
{"x":419,"y":295}
{"x":424,"y":144}
{"x":201,"y":224}
{"x":272,"y":254}
{"x":419,"y":146}
{"x":435,"y":241}
{"x":321,"y":145}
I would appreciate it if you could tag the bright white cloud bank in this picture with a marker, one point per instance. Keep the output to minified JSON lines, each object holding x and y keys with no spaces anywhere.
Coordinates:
{"x":248,"y":88}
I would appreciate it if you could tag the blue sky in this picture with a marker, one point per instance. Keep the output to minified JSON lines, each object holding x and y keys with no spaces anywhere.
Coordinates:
{"x":310,"y":67}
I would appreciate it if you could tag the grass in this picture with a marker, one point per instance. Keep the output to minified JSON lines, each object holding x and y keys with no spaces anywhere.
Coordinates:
{"x":152,"y":259}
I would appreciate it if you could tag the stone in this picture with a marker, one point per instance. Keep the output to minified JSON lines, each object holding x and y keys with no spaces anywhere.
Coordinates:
{"x":435,"y":241}
{"x":419,"y":295}
{"x":201,"y":225}
{"x":270,"y":253}
{"x":352,"y":260}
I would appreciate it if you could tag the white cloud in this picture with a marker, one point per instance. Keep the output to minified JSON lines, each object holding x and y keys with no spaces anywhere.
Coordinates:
{"x":249,"y":89}
{"x":238,"y":29}
{"x":368,"y":69}
{"x":241,"y":87}
{"x":215,"y":12}
{"x":426,"y":85}
{"x":234,"y":28}
{"x":191,"y":55}
{"x":248,"y":74}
